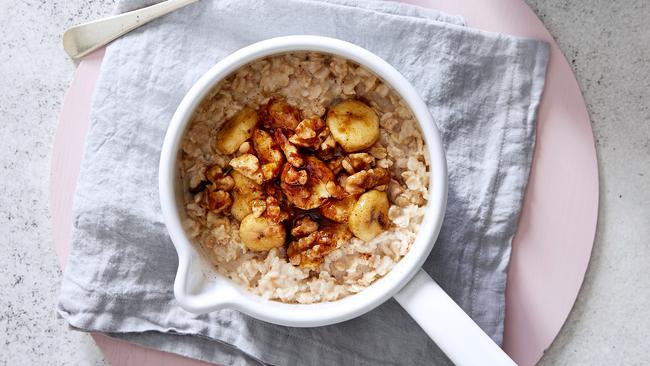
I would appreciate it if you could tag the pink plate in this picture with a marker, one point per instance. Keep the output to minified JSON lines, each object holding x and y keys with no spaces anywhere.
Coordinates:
{"x":556,"y":230}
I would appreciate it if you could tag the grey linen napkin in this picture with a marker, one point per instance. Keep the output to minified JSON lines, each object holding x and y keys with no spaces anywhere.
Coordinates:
{"x":482,"y":88}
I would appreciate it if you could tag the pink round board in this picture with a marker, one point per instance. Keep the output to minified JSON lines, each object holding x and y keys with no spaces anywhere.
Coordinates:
{"x":551,"y":249}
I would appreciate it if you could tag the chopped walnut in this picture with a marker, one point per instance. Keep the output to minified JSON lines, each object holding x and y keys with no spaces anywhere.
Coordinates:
{"x":218,"y":201}
{"x":356,"y":162}
{"x":341,"y":178}
{"x":214,"y":172}
{"x":273,"y":210}
{"x":310,"y":251}
{"x":361,"y":161}
{"x":307,"y":132}
{"x":219,"y":181}
{"x":327,"y":148}
{"x":258,"y":207}
{"x":295,"y":177}
{"x":248,"y":165}
{"x":272,"y":189}
{"x":296,"y":247}
{"x":338,"y":210}
{"x":314,"y":192}
{"x":335,"y":164}
{"x":290,"y":151}
{"x":365,"y":179}
{"x":269,"y":154}
{"x":225,"y":183}
{"x":347,"y":165}
{"x":335,"y":190}
{"x":304,"y":226}
{"x":279,"y":114}
{"x":309,"y":127}
{"x":270,"y":171}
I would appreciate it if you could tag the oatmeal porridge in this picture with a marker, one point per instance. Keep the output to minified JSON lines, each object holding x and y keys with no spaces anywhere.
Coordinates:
{"x":305,"y":177}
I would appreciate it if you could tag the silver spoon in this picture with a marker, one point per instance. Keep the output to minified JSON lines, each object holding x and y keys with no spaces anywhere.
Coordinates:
{"x":82,"y":39}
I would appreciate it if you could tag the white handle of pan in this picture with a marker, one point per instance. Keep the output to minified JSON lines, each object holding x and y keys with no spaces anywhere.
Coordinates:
{"x":448,"y":325}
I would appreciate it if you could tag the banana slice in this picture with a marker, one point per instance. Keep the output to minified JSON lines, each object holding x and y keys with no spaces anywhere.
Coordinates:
{"x":245,"y":191}
{"x":314,"y":192}
{"x":354,"y":125}
{"x":260,"y":233}
{"x":369,"y":216}
{"x":338,"y":210}
{"x":236,"y":130}
{"x":241,"y":206}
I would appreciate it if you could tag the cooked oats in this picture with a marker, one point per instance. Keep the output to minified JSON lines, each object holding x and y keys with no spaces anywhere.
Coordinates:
{"x":310,"y":83}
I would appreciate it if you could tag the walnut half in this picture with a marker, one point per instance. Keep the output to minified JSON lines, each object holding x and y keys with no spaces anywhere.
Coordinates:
{"x":303,"y":227}
{"x":310,"y":251}
{"x":295,"y":177}
{"x":249,"y":166}
{"x":366,"y":179}
{"x":307,"y":132}
{"x":218,"y":201}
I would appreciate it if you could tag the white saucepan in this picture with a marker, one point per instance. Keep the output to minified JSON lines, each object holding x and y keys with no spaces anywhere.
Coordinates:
{"x":444,"y":321}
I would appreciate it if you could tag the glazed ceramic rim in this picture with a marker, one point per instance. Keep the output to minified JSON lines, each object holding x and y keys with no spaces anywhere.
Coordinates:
{"x":203,"y":296}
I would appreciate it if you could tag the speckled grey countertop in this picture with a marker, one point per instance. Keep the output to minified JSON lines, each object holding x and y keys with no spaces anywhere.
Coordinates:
{"x":607,"y":44}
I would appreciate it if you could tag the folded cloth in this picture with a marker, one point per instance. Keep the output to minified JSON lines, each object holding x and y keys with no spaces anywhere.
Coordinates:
{"x":482,"y":89}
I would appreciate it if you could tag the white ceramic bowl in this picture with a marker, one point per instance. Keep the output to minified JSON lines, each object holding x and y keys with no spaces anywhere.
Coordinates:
{"x":199,"y":288}
{"x":199,"y":293}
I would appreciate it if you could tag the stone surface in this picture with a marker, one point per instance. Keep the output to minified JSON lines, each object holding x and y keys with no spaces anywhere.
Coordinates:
{"x":34,"y":75}
{"x":607,"y":45}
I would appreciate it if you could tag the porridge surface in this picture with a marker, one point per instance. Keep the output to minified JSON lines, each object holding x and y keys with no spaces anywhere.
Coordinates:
{"x":311,"y":83}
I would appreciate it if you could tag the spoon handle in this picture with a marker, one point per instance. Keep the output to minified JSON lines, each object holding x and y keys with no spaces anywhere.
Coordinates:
{"x":82,"y":39}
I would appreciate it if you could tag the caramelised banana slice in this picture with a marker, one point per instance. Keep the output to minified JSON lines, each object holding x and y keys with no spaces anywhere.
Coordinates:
{"x":314,"y":192}
{"x":369,"y":216}
{"x":260,"y":233}
{"x":236,"y":130}
{"x":244,"y":192}
{"x":354,"y":125}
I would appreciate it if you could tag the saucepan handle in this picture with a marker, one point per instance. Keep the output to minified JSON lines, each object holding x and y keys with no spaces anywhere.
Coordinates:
{"x":448,"y":325}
